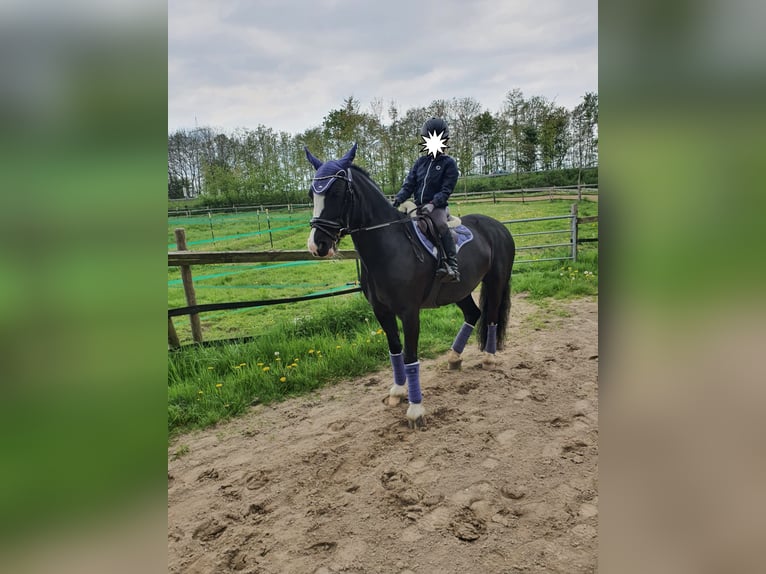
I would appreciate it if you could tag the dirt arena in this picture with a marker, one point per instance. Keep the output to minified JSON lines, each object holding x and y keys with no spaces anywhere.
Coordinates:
{"x":504,"y":478}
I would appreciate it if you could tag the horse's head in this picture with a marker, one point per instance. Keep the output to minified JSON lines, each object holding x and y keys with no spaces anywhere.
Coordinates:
{"x":330,"y":193}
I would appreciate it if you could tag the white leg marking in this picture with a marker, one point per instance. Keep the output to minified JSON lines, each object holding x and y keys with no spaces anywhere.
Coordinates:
{"x":397,"y":391}
{"x":415,"y":411}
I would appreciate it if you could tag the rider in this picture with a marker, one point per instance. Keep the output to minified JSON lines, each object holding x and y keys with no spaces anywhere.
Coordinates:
{"x":431,"y":181}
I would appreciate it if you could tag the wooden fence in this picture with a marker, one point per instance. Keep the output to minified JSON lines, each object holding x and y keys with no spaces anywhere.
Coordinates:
{"x":185,"y":259}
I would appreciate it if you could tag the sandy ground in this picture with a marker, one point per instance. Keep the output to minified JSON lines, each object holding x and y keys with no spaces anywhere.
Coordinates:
{"x":503,"y":479}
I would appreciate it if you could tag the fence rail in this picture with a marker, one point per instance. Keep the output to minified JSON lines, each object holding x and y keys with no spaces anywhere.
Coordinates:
{"x":566,"y":190}
{"x":185,"y":259}
{"x":178,"y":258}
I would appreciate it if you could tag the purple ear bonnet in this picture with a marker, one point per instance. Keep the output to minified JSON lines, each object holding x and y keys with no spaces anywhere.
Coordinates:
{"x":328,"y":171}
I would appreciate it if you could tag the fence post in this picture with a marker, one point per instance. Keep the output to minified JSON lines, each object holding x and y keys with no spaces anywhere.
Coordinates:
{"x":173,"y":341}
{"x":574,"y":232}
{"x":186,"y":277}
{"x":268,"y":222}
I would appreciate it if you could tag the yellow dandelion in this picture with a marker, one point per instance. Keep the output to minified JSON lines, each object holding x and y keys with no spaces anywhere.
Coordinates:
{"x":311,"y":351}
{"x":379,"y":331}
{"x":294,"y":365}
{"x":260,"y":364}
{"x":210,"y":368}
{"x":282,"y":379}
{"x":337,"y":346}
{"x":296,"y":359}
{"x":277,"y":359}
{"x":219,"y":385}
{"x":265,"y":369}
{"x":200,"y":392}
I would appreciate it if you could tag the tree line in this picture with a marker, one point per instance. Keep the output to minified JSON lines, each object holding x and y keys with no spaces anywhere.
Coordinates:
{"x":260,"y":165}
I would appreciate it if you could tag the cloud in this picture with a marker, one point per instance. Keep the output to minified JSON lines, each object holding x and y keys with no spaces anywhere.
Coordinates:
{"x":285,"y":64}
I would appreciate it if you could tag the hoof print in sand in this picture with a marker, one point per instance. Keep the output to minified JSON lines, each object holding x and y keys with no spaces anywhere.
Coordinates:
{"x":465,"y":525}
{"x":256,"y":480}
{"x":208,"y":530}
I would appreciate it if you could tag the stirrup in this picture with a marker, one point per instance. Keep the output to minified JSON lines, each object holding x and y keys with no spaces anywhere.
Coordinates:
{"x":449,"y":275}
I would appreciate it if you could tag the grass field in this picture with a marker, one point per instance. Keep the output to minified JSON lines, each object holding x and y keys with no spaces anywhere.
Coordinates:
{"x":296,"y":347}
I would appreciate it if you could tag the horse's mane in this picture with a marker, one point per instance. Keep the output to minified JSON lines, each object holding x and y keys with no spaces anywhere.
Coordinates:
{"x":369,"y":185}
{"x":368,"y":177}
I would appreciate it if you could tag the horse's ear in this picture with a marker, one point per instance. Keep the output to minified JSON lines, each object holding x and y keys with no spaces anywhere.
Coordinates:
{"x":349,"y":157}
{"x":314,"y":161}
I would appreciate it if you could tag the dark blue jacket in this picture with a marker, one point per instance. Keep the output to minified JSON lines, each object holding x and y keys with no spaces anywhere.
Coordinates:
{"x":431,"y":180}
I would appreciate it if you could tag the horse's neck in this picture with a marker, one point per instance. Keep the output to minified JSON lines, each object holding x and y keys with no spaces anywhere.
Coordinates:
{"x":372,"y":209}
{"x":377,"y":244}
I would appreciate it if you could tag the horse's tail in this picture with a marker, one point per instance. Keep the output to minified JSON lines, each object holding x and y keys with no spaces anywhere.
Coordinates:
{"x":502,"y":316}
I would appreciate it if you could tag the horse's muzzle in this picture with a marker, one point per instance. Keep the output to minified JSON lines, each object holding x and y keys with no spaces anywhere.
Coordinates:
{"x":320,"y":247}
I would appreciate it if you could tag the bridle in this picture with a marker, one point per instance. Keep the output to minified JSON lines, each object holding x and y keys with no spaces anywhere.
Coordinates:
{"x":336,"y":230}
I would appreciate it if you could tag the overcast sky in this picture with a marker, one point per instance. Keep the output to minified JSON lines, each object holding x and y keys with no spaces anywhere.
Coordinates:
{"x":286,"y":63}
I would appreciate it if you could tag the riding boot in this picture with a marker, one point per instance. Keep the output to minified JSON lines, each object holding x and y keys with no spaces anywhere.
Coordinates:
{"x":451,"y":273}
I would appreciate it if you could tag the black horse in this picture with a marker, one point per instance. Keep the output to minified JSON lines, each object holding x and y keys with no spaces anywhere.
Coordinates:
{"x":398,"y":274}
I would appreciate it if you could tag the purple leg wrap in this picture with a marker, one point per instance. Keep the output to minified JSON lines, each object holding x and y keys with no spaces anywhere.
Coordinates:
{"x":491,"y":345}
{"x":413,"y":382}
{"x":462,"y":338}
{"x":397,"y":362}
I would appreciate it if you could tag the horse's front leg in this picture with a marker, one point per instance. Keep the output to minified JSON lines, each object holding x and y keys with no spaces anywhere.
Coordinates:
{"x":398,"y":390}
{"x":416,"y":413}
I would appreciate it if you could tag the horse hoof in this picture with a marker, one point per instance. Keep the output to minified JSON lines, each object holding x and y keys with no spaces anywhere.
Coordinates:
{"x":417,"y":424}
{"x":454,"y":360}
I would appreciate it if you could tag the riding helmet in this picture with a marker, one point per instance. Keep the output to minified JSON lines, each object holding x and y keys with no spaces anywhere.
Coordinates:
{"x":436,"y":125}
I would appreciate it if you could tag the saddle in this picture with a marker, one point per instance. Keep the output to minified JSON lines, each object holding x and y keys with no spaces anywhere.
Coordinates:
{"x":426,"y":225}
{"x":426,"y":232}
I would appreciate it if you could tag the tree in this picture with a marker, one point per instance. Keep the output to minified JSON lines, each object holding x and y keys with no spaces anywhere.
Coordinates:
{"x":463,"y":126}
{"x":263,"y":166}
{"x":487,"y":141}
{"x":340,"y":126}
{"x":584,"y":132}
{"x":514,"y":114}
{"x":553,"y":136}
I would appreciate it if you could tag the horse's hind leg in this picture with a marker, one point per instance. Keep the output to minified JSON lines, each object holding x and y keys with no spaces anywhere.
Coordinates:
{"x":494,"y":305}
{"x":471,"y":314}
{"x":398,"y":390}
